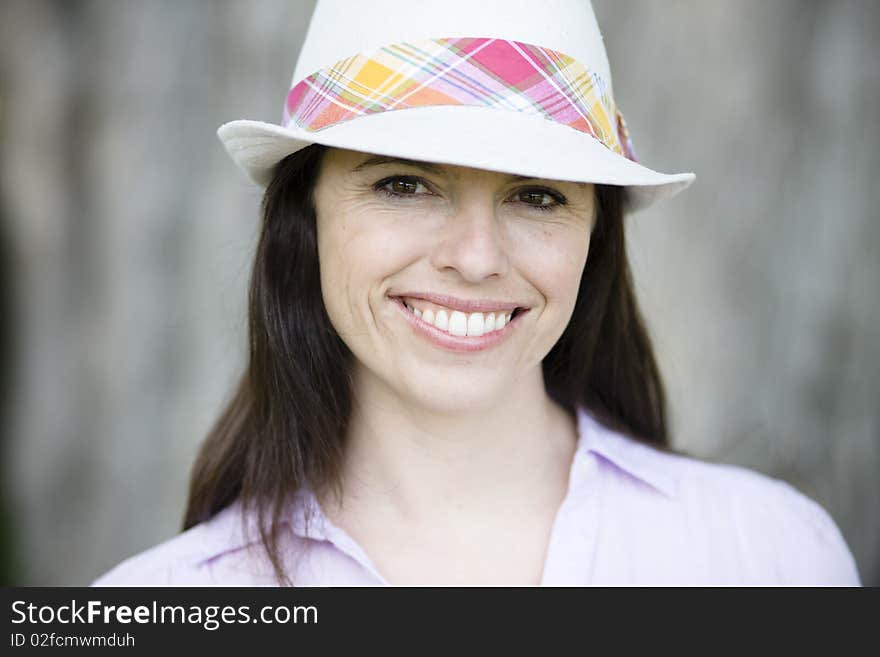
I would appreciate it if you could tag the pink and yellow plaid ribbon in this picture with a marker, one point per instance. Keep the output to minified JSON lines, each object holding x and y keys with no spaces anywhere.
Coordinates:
{"x":495,"y":73}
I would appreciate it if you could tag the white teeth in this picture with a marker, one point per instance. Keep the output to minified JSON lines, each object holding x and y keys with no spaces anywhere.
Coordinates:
{"x":475,"y":324}
{"x":458,"y":323}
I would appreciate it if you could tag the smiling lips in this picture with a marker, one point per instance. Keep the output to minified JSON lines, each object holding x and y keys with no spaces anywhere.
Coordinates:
{"x":456,"y":322}
{"x":453,"y":328}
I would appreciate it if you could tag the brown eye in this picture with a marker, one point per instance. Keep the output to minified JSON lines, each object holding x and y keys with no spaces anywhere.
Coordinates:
{"x":541,"y":199}
{"x":397,"y":186}
{"x":404,"y":186}
{"x":536,"y":197}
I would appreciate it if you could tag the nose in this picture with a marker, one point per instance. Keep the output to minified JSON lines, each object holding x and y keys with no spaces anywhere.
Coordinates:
{"x":472,"y":242}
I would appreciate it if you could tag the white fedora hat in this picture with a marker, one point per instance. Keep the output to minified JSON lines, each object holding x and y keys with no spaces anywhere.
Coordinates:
{"x":515,"y":86}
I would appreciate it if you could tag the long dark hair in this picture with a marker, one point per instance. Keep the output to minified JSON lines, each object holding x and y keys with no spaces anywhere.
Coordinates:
{"x":284,"y":425}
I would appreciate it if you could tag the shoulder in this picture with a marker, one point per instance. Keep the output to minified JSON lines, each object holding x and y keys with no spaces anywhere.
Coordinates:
{"x":778,"y":534}
{"x":788,"y":537}
{"x":185,"y":559}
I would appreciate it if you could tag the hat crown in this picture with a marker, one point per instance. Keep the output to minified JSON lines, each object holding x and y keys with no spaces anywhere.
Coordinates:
{"x":514,"y":86}
{"x":340,"y":28}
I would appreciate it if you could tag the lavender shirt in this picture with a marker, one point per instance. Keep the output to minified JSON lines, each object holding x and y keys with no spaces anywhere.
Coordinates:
{"x":633,"y":515}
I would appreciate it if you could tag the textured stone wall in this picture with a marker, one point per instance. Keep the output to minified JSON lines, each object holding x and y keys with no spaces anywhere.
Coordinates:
{"x":127,"y":235}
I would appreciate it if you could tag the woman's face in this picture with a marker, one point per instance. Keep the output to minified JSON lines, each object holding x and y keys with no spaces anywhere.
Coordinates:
{"x":463,"y":248}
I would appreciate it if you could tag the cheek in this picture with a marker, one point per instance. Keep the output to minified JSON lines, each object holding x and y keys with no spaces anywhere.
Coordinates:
{"x":552,"y":263}
{"x":358,"y":249}
{"x":553,"y":260}
{"x":340,"y":263}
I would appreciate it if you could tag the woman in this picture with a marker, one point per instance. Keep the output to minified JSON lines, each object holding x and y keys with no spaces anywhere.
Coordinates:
{"x":449,"y":380}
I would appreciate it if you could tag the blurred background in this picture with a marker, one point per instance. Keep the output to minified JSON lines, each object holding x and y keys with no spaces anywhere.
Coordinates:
{"x":126,"y":236}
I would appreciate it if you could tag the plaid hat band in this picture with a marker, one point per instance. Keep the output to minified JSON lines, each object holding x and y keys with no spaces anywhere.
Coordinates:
{"x":483,"y":72}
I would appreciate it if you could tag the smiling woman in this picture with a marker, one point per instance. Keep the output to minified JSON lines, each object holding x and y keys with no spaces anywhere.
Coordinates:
{"x":461,"y":246}
{"x":449,"y":379}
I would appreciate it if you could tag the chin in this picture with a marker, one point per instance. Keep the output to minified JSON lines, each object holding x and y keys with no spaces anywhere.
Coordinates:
{"x":457,"y":396}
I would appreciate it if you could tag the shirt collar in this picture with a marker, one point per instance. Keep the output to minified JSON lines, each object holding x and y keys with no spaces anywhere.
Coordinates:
{"x":640,"y":460}
{"x":230,"y":530}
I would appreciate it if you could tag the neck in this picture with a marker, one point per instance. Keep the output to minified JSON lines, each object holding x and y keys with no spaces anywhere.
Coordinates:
{"x":419,"y":462}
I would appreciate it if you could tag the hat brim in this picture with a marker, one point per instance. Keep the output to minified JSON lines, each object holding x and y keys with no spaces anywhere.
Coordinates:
{"x":507,"y":142}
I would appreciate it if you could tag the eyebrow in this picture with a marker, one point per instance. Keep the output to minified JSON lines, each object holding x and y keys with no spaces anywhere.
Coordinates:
{"x":437,"y":170}
{"x":377,"y":160}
